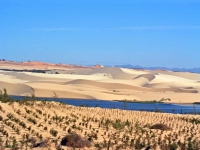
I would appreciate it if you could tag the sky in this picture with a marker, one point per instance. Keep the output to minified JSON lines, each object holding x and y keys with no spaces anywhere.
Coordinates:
{"x":109,"y":32}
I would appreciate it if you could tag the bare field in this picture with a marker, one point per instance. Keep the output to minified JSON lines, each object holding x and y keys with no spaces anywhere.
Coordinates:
{"x":43,"y":125}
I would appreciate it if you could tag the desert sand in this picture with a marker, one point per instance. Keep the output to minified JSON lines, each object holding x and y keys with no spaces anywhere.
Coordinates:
{"x":44,"y":126}
{"x":98,"y":82}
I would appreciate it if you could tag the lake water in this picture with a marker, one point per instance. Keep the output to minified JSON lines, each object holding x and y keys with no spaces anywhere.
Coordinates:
{"x":164,"y":107}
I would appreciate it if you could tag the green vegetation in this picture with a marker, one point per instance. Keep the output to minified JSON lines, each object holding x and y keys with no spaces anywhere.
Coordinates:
{"x":195,"y":120}
{"x":119,"y":125}
{"x":4,"y":97}
{"x":146,"y":101}
{"x":197,"y":103}
{"x":54,"y":132}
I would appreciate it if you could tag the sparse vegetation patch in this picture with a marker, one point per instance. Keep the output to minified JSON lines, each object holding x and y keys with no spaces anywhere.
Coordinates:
{"x":31,"y":124}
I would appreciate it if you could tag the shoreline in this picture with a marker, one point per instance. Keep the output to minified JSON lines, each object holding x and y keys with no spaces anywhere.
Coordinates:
{"x":106,"y":84}
{"x":103,"y":100}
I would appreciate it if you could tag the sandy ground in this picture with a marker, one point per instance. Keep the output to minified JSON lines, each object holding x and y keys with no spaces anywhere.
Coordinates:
{"x":106,"y":84}
{"x":123,"y":129}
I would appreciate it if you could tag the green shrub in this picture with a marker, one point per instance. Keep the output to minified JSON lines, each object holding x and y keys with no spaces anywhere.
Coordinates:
{"x":53,"y":132}
{"x":118,"y":124}
{"x":173,"y":146}
{"x":4,"y":96}
{"x":195,"y":120}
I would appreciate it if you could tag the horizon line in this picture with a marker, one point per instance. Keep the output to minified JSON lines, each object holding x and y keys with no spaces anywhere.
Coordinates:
{"x":106,"y":64}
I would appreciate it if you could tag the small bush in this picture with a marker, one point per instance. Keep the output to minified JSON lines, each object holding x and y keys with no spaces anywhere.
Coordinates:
{"x":195,"y":120}
{"x":173,"y":146}
{"x":53,"y":132}
{"x":118,"y":124}
{"x":161,"y":127}
{"x":76,"y":141}
{"x":32,"y":120}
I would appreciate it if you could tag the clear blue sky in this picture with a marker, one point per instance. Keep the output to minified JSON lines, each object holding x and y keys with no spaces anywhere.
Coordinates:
{"x":136,"y":32}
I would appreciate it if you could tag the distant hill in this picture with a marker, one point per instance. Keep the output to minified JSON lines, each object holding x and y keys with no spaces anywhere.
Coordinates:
{"x":34,"y":65}
{"x":30,"y":65}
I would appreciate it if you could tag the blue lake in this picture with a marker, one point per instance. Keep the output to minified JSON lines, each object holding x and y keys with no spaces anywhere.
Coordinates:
{"x":164,"y":107}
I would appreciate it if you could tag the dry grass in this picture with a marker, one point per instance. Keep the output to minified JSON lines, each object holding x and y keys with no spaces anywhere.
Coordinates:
{"x":50,"y":125}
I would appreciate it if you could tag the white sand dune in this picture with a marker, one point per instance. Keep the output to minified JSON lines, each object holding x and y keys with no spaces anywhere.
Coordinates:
{"x":186,"y":75}
{"x":61,"y":94}
{"x":15,"y":89}
{"x":113,"y":86}
{"x":115,"y":73}
{"x":110,"y":86}
{"x":144,"y":79}
{"x":150,"y":77}
{"x":135,"y":72}
{"x":106,"y":83}
{"x":169,"y":78}
{"x":186,"y":85}
{"x":68,"y":76}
